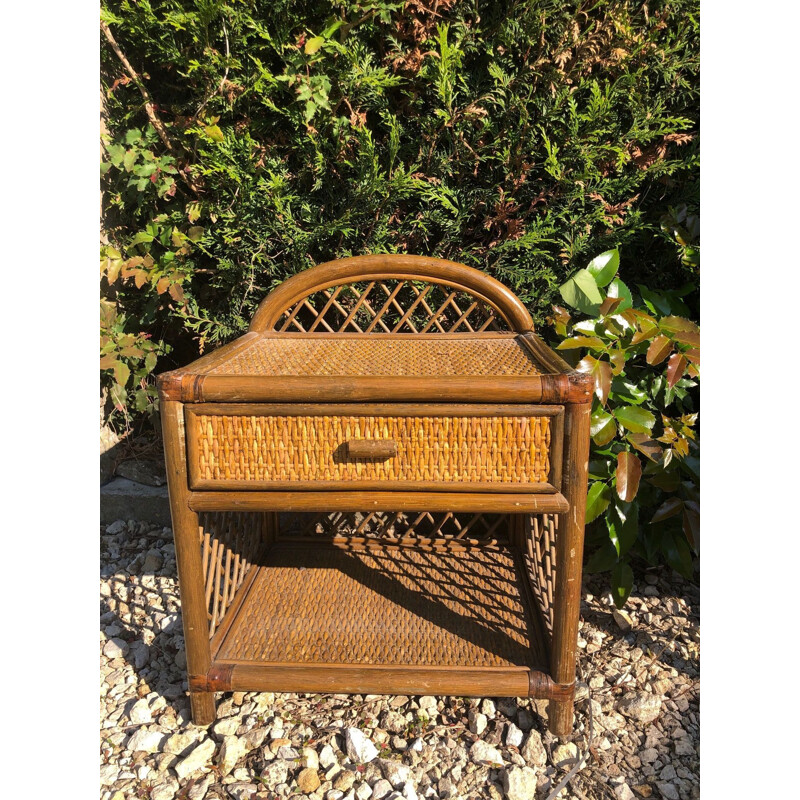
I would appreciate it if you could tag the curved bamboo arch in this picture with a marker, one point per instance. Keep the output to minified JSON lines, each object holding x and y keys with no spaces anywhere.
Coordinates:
{"x":392,"y":267}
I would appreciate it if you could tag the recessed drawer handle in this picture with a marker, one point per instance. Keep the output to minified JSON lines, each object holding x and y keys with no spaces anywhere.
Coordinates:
{"x":371,"y":448}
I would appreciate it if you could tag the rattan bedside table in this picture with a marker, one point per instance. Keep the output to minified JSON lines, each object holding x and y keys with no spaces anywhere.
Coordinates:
{"x":436,"y":453}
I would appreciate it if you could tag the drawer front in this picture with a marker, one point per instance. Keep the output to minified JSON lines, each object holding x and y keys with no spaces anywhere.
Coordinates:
{"x":467,"y":448}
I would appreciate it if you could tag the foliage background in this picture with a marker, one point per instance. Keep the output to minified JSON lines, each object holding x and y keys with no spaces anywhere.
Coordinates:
{"x":247,"y":140}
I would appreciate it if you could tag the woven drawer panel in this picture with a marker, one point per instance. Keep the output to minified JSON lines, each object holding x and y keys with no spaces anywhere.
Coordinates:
{"x":376,"y":356}
{"x":502,"y":449}
{"x":401,"y":606}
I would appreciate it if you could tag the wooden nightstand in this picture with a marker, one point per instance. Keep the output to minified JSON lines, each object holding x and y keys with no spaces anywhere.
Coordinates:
{"x":435,"y":452}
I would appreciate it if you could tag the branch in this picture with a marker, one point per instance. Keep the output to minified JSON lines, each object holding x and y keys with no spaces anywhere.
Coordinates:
{"x":149,"y":108}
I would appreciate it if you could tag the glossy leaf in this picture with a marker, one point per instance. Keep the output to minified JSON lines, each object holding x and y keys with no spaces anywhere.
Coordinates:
{"x":635,"y":419}
{"x":603,"y":427}
{"x":604,"y":267}
{"x":601,"y":372}
{"x":629,"y":473}
{"x":659,"y":349}
{"x":592,"y":342}
{"x":609,"y":305}
{"x":621,"y":583}
{"x":617,"y":358}
{"x":313,"y":44}
{"x":622,"y":522}
{"x":603,"y":559}
{"x":597,"y":500}
{"x":657,"y":303}
{"x":617,"y":288}
{"x":645,"y":445}
{"x":627,"y":392}
{"x":691,"y":524}
{"x":581,"y":292}
{"x":687,"y":337}
{"x":677,"y":553}
{"x":675,"y":324}
{"x":676,"y":366}
{"x":669,"y":508}
{"x":214,"y":132}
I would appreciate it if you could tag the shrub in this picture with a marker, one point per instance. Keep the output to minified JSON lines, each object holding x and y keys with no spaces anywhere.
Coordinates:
{"x":644,"y":355}
{"x":246,"y":142}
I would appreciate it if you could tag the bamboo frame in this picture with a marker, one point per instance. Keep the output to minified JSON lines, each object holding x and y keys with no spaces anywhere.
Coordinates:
{"x":220,"y":558}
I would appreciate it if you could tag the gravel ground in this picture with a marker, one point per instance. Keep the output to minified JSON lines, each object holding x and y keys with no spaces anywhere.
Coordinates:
{"x":636,"y":733}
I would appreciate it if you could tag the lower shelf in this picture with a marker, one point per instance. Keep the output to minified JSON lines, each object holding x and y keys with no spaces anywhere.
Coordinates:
{"x":384,"y":618}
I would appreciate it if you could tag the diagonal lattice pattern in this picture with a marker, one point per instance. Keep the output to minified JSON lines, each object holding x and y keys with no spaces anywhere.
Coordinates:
{"x":390,"y":306}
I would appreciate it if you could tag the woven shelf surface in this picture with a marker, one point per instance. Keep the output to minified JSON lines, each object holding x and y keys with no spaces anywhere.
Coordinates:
{"x":386,"y":606}
{"x":436,"y":356}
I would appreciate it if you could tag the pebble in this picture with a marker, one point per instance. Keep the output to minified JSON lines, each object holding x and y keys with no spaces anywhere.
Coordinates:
{"x":275,"y":774}
{"x":513,"y":735}
{"x":641,"y":706}
{"x":198,"y":758}
{"x":308,"y":781}
{"x":483,"y":753}
{"x":145,"y":741}
{"x":533,"y":750}
{"x":623,"y":620}
{"x":116,"y":648}
{"x":231,"y":750}
{"x":623,"y":792}
{"x":668,"y":791}
{"x":140,"y":713}
{"x":381,"y":789}
{"x":477,"y":722}
{"x":564,"y":752}
{"x":359,"y":748}
{"x":519,"y":783}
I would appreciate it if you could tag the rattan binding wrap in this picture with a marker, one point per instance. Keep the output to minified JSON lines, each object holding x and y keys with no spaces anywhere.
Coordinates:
{"x":384,"y":606}
{"x":503,"y":449}
{"x":440,"y":356}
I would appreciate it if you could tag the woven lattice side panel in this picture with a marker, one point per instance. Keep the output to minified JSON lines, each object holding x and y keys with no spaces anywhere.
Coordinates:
{"x":539,"y":549}
{"x":231,"y":542}
{"x":391,"y":306}
{"x":397,"y":526}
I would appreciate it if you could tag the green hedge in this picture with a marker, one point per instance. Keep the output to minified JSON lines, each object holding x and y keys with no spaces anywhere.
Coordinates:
{"x":522,"y":138}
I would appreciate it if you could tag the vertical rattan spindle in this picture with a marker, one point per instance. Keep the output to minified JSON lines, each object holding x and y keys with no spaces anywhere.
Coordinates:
{"x":185,"y":528}
{"x":569,"y":558}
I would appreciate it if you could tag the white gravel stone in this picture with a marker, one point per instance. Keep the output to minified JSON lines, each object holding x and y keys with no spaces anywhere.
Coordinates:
{"x":310,"y":758}
{"x":623,"y":792}
{"x":108,"y":774}
{"x":513,"y":735}
{"x":226,"y":727}
{"x":116,"y":648}
{"x":483,"y":753}
{"x":477,"y":721}
{"x":564,"y":751}
{"x":145,"y":741}
{"x":381,"y":789}
{"x":199,"y":757}
{"x":533,"y":750}
{"x":519,"y":783}
{"x":326,"y":756}
{"x":359,"y":748}
{"x":641,"y":706}
{"x":428,"y":702}
{"x":164,"y":791}
{"x":363,"y":792}
{"x":668,"y":791}
{"x":231,"y":750}
{"x":395,"y":772}
{"x":488,"y":707}
{"x":140,"y":713}
{"x":275,"y":773}
{"x":179,"y":743}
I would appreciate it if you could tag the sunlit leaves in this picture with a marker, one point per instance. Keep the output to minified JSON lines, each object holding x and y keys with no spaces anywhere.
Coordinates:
{"x":635,"y":419}
{"x":604,"y":267}
{"x":629,"y":473}
{"x":601,"y":372}
{"x":597,"y":500}
{"x":581,"y":292}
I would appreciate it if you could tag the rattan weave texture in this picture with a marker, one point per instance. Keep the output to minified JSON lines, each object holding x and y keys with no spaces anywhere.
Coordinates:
{"x":374,"y":356}
{"x":503,"y":450}
{"x":398,"y":606}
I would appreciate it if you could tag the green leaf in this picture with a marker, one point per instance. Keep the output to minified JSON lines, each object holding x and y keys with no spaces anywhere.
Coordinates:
{"x":604,"y":267}
{"x":118,"y":396}
{"x":129,"y":160}
{"x":636,"y":420}
{"x":669,"y":508}
{"x":627,"y":392}
{"x":133,"y":136}
{"x":150,"y":361}
{"x":603,"y":427}
{"x":603,"y":559}
{"x":581,"y":292}
{"x":196,"y":232}
{"x":657,"y":303}
{"x":621,"y":583}
{"x":677,"y":553}
{"x":597,"y":500}
{"x":592,"y":342}
{"x":314,"y":44}
{"x":618,"y":289}
{"x":121,"y":373}
{"x":623,"y":526}
{"x":214,"y":132}
{"x":141,"y":237}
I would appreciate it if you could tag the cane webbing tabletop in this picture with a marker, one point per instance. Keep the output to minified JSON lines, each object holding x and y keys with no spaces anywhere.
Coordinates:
{"x":385,"y":605}
{"x":304,"y":355}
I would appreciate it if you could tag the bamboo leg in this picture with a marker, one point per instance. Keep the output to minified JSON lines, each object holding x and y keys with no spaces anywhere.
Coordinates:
{"x":185,"y":528}
{"x":569,"y":558}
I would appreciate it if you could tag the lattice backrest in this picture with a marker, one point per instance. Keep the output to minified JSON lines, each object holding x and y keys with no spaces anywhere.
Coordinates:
{"x":391,"y":294}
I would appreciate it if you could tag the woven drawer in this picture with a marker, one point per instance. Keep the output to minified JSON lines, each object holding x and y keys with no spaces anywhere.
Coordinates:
{"x":492,"y":448}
